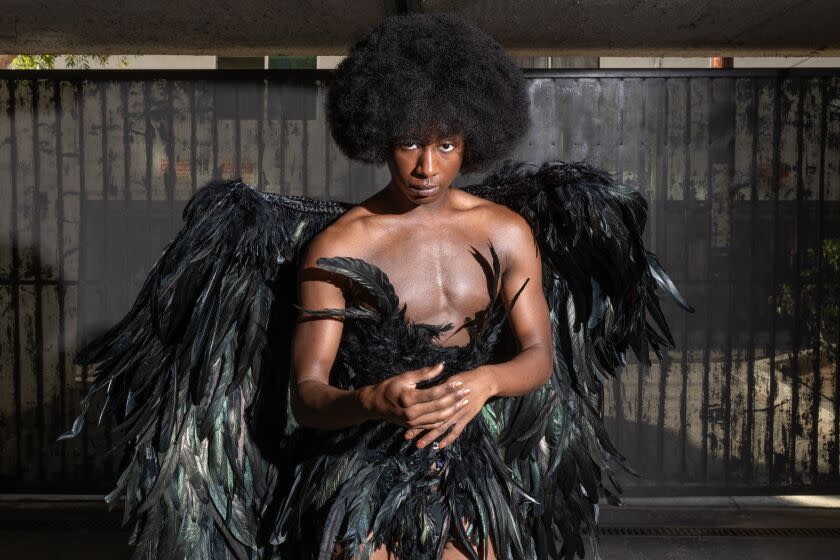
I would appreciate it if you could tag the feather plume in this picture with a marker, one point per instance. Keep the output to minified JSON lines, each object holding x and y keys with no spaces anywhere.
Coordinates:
{"x":212,"y":467}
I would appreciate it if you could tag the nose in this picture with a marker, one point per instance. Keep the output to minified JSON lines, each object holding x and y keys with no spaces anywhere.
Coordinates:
{"x":427,"y":164}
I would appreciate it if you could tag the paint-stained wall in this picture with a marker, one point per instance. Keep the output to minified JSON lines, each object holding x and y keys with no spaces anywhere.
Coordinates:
{"x":742,"y":172}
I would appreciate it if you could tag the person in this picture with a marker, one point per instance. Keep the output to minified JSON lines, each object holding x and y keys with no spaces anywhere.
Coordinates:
{"x":291,"y":382}
{"x":411,"y":76}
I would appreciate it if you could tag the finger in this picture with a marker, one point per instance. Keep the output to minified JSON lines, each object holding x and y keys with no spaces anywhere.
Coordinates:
{"x":457,"y":428}
{"x":431,"y":411}
{"x":412,"y":433}
{"x":437,"y":393}
{"x":410,"y":396}
{"x":426,"y":373}
{"x":429,"y":436}
{"x":438,"y":411}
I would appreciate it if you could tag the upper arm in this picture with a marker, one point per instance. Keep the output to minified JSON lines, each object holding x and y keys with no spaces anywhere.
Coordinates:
{"x":529,"y":317}
{"x":316,"y":339}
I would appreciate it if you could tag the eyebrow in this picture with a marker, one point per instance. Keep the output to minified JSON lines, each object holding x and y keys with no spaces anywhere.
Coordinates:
{"x":452,"y":138}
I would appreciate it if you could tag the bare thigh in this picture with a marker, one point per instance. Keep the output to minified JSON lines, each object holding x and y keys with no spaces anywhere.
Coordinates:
{"x":456,"y":551}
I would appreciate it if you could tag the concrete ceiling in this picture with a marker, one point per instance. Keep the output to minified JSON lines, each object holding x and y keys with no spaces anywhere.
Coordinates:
{"x":328,"y":27}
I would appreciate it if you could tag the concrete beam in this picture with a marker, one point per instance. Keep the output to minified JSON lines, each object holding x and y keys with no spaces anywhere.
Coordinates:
{"x":657,"y":27}
{"x":328,"y":27}
{"x":197,"y":27}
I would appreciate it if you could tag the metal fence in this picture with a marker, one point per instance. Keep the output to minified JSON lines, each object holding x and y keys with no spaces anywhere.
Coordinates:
{"x":741,"y":169}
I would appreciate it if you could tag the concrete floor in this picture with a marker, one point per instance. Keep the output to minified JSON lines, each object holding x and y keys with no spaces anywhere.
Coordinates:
{"x":73,"y":529}
{"x":110,"y":545}
{"x":719,"y":548}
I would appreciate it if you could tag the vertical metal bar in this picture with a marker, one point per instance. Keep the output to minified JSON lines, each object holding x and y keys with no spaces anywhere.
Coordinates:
{"x":126,"y":142}
{"x":106,"y":207}
{"x":616,"y":383}
{"x":728,"y":122}
{"x":835,"y":455}
{"x":771,"y":398}
{"x":707,"y":207}
{"x":305,"y":150}
{"x":171,"y":178}
{"x":799,"y":242}
{"x":661,"y":206}
{"x":149,"y":138}
{"x":816,"y":393}
{"x":13,"y":84}
{"x":237,"y":135}
{"x":284,"y":183}
{"x":214,"y":132}
{"x":81,"y":338}
{"x":61,"y":409}
{"x":748,"y":436}
{"x":644,"y":179}
{"x":193,"y":139}
{"x":686,"y":268}
{"x":328,"y":174}
{"x":618,"y":413}
{"x":619,"y":160}
{"x":38,"y":358}
{"x":262,"y":115}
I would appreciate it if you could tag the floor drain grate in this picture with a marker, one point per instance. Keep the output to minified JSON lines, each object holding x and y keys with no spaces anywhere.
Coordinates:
{"x":718,"y":532}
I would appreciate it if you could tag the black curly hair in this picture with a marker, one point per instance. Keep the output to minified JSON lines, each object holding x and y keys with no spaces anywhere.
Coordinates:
{"x":416,"y":74}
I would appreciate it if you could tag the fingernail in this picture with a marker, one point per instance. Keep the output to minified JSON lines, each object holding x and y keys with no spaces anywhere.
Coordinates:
{"x":463,"y":392}
{"x":442,"y":445}
{"x":421,"y":443}
{"x":464,"y":402}
{"x":458,"y":383}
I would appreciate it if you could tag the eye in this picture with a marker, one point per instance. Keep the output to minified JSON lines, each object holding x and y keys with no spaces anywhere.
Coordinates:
{"x":407,"y":145}
{"x":447,"y":146}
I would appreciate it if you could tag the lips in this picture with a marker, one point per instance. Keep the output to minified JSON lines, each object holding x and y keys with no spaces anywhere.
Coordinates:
{"x":424,"y":190}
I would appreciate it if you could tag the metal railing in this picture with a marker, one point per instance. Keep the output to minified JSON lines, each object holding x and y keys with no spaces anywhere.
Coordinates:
{"x":741,"y":170}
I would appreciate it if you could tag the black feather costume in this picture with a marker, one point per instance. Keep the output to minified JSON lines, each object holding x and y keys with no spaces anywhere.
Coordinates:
{"x":196,"y":376}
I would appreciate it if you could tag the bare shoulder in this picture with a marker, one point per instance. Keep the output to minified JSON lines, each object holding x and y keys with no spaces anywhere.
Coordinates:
{"x":341,"y":238}
{"x":492,"y":210}
{"x":509,"y":232}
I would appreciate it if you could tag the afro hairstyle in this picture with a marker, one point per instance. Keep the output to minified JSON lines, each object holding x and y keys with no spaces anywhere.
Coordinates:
{"x":416,"y":74}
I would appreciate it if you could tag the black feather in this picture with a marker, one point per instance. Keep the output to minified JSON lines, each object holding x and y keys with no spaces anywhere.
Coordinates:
{"x":213,"y":467}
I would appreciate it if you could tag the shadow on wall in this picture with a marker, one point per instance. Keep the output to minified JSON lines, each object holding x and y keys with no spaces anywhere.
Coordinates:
{"x":692,"y":428}
{"x":683,"y":430}
{"x":40,"y":387}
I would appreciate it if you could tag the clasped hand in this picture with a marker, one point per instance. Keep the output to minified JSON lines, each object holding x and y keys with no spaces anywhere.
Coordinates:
{"x":444,"y":409}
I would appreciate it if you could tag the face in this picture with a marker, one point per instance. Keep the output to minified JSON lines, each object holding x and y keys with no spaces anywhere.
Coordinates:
{"x":423,"y":172}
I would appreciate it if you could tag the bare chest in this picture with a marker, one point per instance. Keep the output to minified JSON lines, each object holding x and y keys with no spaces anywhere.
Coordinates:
{"x":436,"y":276}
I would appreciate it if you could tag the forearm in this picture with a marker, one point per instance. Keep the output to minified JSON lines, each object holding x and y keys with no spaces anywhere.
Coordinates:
{"x":529,"y":370}
{"x":320,"y":405}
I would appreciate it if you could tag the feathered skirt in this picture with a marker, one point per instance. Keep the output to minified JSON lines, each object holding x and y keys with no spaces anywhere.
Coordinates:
{"x":366,"y":486}
{"x":361,"y":488}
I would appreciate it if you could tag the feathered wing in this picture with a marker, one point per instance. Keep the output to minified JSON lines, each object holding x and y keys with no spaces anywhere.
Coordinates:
{"x":199,"y":423}
{"x":601,"y":285}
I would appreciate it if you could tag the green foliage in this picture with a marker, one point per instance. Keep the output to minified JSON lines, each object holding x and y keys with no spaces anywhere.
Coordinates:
{"x":47,"y":61}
